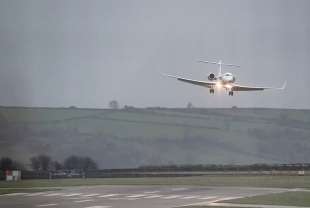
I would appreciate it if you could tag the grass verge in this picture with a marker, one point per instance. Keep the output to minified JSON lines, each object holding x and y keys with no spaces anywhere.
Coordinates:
{"x":296,"y":198}
{"x":216,"y":207}
{"x":246,"y":181}
{"x":19,"y":190}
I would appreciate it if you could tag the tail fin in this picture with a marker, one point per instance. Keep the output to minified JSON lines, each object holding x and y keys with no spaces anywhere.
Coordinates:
{"x":220,"y":63}
{"x":283,"y":86}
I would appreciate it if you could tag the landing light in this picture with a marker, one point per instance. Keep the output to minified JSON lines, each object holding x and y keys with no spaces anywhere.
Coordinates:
{"x":228,"y":86}
{"x":218,"y":85}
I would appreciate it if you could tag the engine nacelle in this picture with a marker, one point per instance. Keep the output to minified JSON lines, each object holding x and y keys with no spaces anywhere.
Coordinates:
{"x":211,"y":77}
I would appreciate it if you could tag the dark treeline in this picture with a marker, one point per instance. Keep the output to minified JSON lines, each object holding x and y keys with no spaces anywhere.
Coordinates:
{"x":229,"y":167}
{"x":77,"y":163}
{"x":46,"y":163}
{"x":7,"y":163}
{"x":43,"y":166}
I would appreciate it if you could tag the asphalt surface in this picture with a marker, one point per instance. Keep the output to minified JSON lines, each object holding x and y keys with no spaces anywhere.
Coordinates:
{"x":129,"y":196}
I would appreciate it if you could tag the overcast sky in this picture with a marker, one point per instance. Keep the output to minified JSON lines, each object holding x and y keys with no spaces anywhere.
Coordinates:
{"x":59,"y":53}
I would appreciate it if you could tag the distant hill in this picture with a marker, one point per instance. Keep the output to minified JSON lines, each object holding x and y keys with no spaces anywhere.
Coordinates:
{"x":133,"y":137}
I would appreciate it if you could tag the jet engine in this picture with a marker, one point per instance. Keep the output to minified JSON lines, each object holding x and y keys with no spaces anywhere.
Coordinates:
{"x":211,"y":77}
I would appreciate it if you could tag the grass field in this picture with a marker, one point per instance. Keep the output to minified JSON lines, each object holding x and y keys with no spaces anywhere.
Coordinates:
{"x":246,"y":181}
{"x":297,"y":198}
{"x":21,"y":190}
{"x":128,"y":138}
{"x":215,"y":207}
{"x":300,"y":198}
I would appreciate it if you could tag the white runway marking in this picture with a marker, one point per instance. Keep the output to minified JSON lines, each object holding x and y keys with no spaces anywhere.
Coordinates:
{"x":208,"y":197}
{"x":53,"y":194}
{"x":224,"y":198}
{"x":74,"y":194}
{"x":190,"y":197}
{"x":15,"y":194}
{"x":82,"y":201}
{"x":99,"y":207}
{"x":90,"y":195}
{"x":36,"y":194}
{"x":171,"y":197}
{"x":108,"y":195}
{"x":47,"y":205}
{"x":153,"y":196}
{"x":136,"y":196}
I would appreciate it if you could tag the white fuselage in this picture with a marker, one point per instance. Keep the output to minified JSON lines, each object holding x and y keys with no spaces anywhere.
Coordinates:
{"x":226,"y":78}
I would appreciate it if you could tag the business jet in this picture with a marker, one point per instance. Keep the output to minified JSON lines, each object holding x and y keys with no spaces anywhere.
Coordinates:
{"x":226,"y":81}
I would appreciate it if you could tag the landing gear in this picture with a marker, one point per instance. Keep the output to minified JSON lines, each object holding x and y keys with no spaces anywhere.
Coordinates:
{"x":231,"y":93}
{"x":211,"y":91}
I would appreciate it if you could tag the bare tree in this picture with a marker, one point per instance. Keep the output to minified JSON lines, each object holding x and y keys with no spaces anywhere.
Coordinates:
{"x":89,"y":164}
{"x":35,"y":164}
{"x":6,"y":163}
{"x":113,"y":104}
{"x":57,"y":165}
{"x":41,"y":162}
{"x":80,"y":163}
{"x":189,"y":105}
{"x":72,"y":163}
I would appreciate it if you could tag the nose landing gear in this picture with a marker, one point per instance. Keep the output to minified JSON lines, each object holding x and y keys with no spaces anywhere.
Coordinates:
{"x":211,"y":91}
{"x":231,"y":93}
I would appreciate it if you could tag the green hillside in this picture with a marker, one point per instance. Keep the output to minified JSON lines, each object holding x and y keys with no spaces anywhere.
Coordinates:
{"x":134,"y":137}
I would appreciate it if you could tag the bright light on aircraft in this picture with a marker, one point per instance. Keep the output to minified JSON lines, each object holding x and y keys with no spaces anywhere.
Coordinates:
{"x":218,"y":85}
{"x":227,"y":86}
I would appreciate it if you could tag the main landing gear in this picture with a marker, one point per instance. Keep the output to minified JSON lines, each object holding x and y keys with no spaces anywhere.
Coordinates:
{"x":230,"y":93}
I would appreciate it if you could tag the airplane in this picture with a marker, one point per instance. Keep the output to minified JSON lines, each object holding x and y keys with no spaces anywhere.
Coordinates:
{"x":224,"y":81}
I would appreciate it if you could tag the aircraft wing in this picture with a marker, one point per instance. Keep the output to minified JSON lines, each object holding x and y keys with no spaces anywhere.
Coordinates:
{"x":194,"y":82}
{"x":236,"y":87}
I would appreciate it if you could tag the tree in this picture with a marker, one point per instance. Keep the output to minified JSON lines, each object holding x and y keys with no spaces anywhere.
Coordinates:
{"x":89,"y":164}
{"x":35,"y":164}
{"x":189,"y":105}
{"x":57,"y":165}
{"x":80,"y":163}
{"x":114,"y":104}
{"x":72,"y":163}
{"x":45,"y":162}
{"x":41,"y":162}
{"x":6,"y":163}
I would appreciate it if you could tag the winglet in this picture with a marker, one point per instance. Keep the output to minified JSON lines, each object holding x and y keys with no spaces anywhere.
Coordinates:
{"x":168,"y":75}
{"x":283,"y":86}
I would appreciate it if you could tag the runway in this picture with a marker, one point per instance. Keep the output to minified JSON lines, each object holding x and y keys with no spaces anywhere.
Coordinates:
{"x":129,"y":196}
